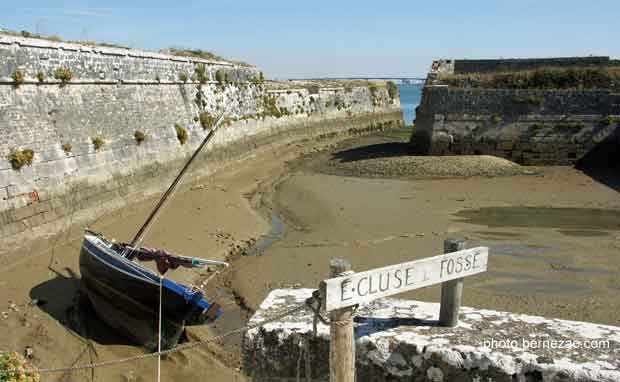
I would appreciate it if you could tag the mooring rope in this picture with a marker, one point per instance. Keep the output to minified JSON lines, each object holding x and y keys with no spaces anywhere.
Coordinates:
{"x":305,"y":305}
{"x":161,"y":278}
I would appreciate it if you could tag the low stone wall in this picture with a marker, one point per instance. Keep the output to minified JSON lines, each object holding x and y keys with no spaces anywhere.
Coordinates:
{"x":399,"y":340}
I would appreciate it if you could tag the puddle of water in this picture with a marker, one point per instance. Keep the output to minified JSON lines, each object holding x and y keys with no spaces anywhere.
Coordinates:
{"x":543,"y":217}
{"x":499,"y":234}
{"x":538,"y":287}
{"x":583,"y":233}
{"x":521,"y":251}
{"x":275,"y":233}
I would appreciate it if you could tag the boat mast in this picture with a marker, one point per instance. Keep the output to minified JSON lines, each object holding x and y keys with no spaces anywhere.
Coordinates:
{"x":138,"y":237}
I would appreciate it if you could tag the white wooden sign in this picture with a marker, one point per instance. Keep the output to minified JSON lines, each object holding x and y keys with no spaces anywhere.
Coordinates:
{"x":363,"y":287}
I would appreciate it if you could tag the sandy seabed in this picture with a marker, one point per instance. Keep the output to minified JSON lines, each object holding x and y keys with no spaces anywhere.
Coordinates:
{"x":554,"y":235}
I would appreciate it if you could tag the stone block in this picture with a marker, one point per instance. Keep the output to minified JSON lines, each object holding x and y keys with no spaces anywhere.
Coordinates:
{"x":399,"y":340}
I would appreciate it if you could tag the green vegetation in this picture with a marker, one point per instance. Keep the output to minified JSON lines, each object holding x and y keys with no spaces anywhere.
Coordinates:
{"x":373,"y":89}
{"x":139,"y":136}
{"x":200,"y":72}
{"x":98,"y":143}
{"x":496,"y":119}
{"x":257,"y":80}
{"x":206,"y":120}
{"x":182,"y":134}
{"x":41,"y":76}
{"x":605,"y":121}
{"x":221,"y":77}
{"x":537,"y":126}
{"x":529,"y":100}
{"x":18,"y":78}
{"x":63,"y":74}
{"x":183,"y":77}
{"x":392,"y":89}
{"x":19,"y":158}
{"x":271,"y":109}
{"x":66,"y":147}
{"x":196,"y":53}
{"x":575,"y":126}
{"x":14,"y":361}
{"x":543,"y":78}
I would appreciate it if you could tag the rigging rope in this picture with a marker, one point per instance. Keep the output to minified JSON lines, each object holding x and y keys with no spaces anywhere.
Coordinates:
{"x":159,"y":353}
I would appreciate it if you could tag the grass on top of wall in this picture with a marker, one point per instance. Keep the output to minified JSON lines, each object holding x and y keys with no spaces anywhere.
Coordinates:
{"x":543,"y":78}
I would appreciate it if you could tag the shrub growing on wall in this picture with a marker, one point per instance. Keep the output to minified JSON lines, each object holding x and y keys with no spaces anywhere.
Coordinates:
{"x":221,"y":77}
{"x":66,"y":147}
{"x":40,"y":76}
{"x":206,"y":120}
{"x":64,"y":75}
{"x":182,"y":135}
{"x":20,"y":158}
{"x":139,"y":136}
{"x":183,"y":76}
{"x":201,"y":74}
{"x":392,"y":89}
{"x":98,"y":142}
{"x":18,"y":78}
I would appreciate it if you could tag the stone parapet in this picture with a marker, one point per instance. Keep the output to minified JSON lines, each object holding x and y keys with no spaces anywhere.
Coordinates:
{"x":399,"y":340}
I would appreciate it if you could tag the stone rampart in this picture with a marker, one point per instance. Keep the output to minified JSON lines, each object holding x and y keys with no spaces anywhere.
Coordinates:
{"x":102,"y":64}
{"x":528,"y":126}
{"x":400,"y":340}
{"x":516,"y":64}
{"x":87,"y":159}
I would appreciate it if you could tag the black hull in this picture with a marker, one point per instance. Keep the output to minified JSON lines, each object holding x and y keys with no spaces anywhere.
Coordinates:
{"x":126,"y":296}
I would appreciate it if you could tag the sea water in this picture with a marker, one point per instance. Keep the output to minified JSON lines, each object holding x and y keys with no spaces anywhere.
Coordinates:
{"x":410,"y":96}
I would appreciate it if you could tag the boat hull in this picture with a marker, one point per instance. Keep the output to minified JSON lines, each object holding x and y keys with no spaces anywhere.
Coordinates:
{"x":126,"y":296}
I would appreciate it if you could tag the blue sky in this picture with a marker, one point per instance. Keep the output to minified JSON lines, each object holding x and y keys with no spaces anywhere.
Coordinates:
{"x":337,"y":37}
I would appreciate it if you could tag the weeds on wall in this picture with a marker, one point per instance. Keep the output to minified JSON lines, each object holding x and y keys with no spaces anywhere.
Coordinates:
{"x":98,"y":143}
{"x":270,"y":107}
{"x":529,"y":100}
{"x":201,"y":74}
{"x":182,"y":134}
{"x":139,"y":136}
{"x":64,"y":75}
{"x":392,"y":90}
{"x":183,"y":77}
{"x":20,"y":158}
{"x":18,"y":78}
{"x":40,"y":76}
{"x":66,"y":147}
{"x":221,"y":77}
{"x":496,"y":119}
{"x":543,"y":78}
{"x":206,"y":120}
{"x":570,"y":126}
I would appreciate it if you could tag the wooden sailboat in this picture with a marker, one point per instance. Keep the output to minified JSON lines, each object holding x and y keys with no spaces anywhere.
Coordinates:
{"x":126,"y":294}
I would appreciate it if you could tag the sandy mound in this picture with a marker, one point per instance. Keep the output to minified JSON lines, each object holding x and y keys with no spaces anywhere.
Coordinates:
{"x":431,"y":166}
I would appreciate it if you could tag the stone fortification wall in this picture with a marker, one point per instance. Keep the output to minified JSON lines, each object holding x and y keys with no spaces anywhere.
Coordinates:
{"x":534,"y":127}
{"x":72,"y":180}
{"x":515,"y":64}
{"x":102,"y":64}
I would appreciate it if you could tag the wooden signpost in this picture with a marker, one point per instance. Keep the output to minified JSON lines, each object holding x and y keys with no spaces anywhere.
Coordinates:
{"x":346,"y":289}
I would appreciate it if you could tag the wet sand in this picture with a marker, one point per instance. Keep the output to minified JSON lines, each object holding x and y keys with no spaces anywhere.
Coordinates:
{"x":554,"y":235}
{"x":559,"y":259}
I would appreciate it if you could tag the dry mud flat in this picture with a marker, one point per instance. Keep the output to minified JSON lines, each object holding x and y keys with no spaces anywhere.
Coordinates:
{"x":554,"y":232}
{"x":554,"y":240}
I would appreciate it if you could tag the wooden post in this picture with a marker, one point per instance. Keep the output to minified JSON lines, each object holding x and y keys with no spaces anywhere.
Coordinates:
{"x":342,"y":348}
{"x":452,"y":290}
